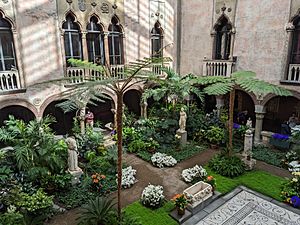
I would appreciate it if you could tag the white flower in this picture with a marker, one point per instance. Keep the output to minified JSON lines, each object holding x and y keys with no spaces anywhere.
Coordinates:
{"x":195,"y":172}
{"x":128,"y":177}
{"x":152,"y":196}
{"x":160,"y":160}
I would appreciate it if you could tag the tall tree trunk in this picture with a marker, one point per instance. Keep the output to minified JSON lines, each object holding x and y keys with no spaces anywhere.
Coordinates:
{"x":230,"y":125}
{"x":119,"y":142}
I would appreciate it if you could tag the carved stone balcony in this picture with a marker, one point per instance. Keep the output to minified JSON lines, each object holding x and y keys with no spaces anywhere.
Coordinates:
{"x":9,"y":81}
{"x":157,"y":68}
{"x":218,"y":67}
{"x":293,"y":76}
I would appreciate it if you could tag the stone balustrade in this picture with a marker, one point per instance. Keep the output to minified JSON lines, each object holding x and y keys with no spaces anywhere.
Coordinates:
{"x":117,"y":71}
{"x":218,"y":67}
{"x":9,"y":80}
{"x":293,"y":74}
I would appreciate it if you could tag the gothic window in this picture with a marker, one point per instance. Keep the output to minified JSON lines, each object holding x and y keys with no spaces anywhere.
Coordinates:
{"x":295,"y":53}
{"x":95,"y":42}
{"x":7,"y":50}
{"x":156,"y":41}
{"x":223,"y":39}
{"x":115,"y":42}
{"x":72,"y":39}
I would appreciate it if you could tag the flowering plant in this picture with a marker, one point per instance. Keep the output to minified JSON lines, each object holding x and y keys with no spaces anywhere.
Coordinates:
{"x":190,"y":174}
{"x":152,"y":196}
{"x":160,"y":160}
{"x":97,"y":181}
{"x":291,"y":190}
{"x":180,"y":201}
{"x":128,"y":177}
{"x":211,"y":180}
{"x":280,"y":136}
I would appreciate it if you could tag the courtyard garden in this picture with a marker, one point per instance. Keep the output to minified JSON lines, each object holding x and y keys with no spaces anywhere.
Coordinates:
{"x":173,"y":145}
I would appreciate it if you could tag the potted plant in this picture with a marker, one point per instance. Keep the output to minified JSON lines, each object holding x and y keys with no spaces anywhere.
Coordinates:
{"x":180,"y":201}
{"x":212,"y":181}
{"x":215,"y":135}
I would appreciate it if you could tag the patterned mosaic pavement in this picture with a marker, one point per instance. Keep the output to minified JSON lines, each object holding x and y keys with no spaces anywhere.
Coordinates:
{"x":248,"y":209}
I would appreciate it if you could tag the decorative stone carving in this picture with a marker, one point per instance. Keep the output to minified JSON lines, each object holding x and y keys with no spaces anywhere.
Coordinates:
{"x":247,"y":153}
{"x":37,"y":101}
{"x":73,"y":168}
{"x":182,"y":120}
{"x":82,"y":5}
{"x":289,"y":27}
{"x":104,"y":8}
{"x":5,"y":1}
{"x":199,"y":192}
{"x":115,"y":6}
{"x":69,"y":1}
{"x":94,"y":4}
{"x":249,"y":123}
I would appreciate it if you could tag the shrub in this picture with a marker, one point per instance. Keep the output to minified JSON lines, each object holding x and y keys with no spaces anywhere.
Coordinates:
{"x":227,"y":166}
{"x":152,"y":196}
{"x":291,"y":189}
{"x":137,"y":146}
{"x":128,"y":177}
{"x":215,"y":135}
{"x":196,"y":172}
{"x":160,"y":160}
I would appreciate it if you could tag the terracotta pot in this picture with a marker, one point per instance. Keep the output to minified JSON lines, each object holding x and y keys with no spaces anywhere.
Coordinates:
{"x":180,"y":211}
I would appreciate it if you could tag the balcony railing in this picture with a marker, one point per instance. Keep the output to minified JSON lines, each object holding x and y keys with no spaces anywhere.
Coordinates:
{"x":157,"y":68}
{"x":9,"y":80}
{"x":218,"y":67}
{"x":293,"y":74}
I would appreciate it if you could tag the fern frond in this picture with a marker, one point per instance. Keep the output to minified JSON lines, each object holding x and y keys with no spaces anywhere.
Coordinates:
{"x":219,"y":88}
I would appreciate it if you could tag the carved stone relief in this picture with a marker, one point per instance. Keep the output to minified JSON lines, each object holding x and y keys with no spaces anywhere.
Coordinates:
{"x":82,"y":5}
{"x":104,"y":8}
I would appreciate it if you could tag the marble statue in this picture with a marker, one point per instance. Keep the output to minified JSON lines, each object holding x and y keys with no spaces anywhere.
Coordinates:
{"x":72,"y":154}
{"x":182,"y":120}
{"x":249,"y":123}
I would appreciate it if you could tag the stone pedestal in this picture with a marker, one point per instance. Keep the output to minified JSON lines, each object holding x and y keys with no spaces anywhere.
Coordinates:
{"x":247,"y":154}
{"x":259,"y":115}
{"x":183,"y":136}
{"x":76,"y":176}
{"x":180,"y":218}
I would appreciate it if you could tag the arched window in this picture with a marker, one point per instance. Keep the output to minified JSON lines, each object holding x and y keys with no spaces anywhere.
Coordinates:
{"x":223,"y":39}
{"x":7,"y":49}
{"x":156,"y":40}
{"x":115,"y":42}
{"x":95,"y":42}
{"x":295,"y":53}
{"x":72,"y":39}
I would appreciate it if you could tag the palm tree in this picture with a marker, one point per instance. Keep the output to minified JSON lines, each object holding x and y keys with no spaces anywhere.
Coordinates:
{"x":90,"y":90}
{"x":175,"y":87}
{"x":244,"y":79}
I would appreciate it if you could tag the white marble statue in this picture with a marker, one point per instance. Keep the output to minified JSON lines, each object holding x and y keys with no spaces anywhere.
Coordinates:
{"x":182,"y":120}
{"x":249,"y":123}
{"x":72,"y":154}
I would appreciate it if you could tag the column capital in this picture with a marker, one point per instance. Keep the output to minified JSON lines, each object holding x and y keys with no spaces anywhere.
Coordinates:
{"x":260,"y":109}
{"x":289,"y":27}
{"x":83,"y":34}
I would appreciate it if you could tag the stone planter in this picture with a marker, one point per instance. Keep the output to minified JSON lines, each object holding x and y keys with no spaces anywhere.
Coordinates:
{"x":281,"y":144}
{"x":199,"y":192}
{"x":180,"y":211}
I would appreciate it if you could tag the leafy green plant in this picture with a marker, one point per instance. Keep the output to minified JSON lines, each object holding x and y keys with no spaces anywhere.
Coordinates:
{"x":56,"y":182}
{"x":267,"y":155}
{"x":37,"y":201}
{"x":137,"y":146}
{"x":11,"y":218}
{"x":97,"y":211}
{"x":227,"y":166}
{"x":215,"y":135}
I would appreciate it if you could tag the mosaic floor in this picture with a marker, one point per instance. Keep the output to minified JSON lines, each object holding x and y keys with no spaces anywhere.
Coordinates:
{"x":248,"y":209}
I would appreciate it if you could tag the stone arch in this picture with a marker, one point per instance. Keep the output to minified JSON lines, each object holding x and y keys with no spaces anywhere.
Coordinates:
{"x":71,"y":13}
{"x":278,"y":111}
{"x":20,"y":102}
{"x":93,"y":14}
{"x":118,"y":23}
{"x":132,"y":99}
{"x":222,"y":17}
{"x":10,"y":20}
{"x":64,"y":121}
{"x":102,"y":110}
{"x":18,"y":111}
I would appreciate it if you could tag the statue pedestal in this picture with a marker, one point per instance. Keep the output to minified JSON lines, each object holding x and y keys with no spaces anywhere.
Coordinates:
{"x":249,"y":163}
{"x":76,"y":176}
{"x":183,"y":136}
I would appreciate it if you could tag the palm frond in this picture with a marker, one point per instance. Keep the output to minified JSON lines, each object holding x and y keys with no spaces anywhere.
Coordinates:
{"x":207,"y":80}
{"x":219,"y":88}
{"x":243,"y":74}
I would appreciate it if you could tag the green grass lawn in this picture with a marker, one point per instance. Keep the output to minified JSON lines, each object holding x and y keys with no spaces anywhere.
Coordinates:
{"x":152,"y":217}
{"x":257,"y":180}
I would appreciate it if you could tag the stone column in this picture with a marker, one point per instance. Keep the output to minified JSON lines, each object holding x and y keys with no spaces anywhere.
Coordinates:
{"x":213,"y":38}
{"x":84,"y":46}
{"x":247,"y":154}
{"x":219,"y":104}
{"x":106,"y":48}
{"x":21,"y":81}
{"x":290,"y":30}
{"x":63,"y":52}
{"x":259,"y":114}
{"x":232,"y":43}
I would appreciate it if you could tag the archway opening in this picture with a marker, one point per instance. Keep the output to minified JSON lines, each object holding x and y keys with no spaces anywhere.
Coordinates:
{"x":132,"y":100}
{"x":278,"y":111}
{"x":102,"y":111}
{"x":64,"y":121}
{"x":243,"y":103}
{"x":19,"y":112}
